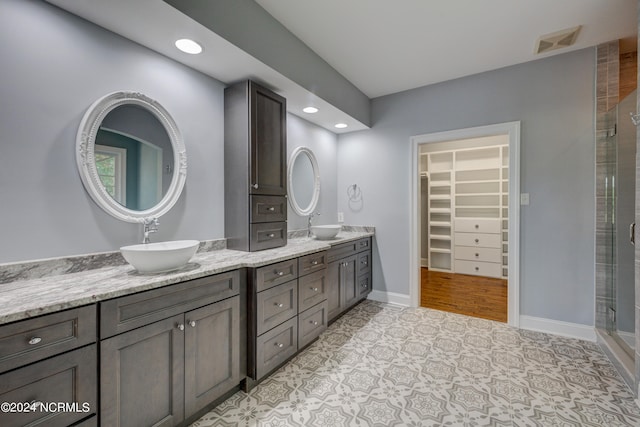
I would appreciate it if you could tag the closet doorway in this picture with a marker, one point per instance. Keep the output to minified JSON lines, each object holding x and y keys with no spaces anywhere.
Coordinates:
{"x":465,"y":224}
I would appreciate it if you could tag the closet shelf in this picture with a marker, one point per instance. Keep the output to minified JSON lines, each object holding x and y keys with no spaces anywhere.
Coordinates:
{"x":459,"y":193}
{"x":439,"y":237}
{"x":441,"y":251}
{"x":441,"y":210}
{"x":440,"y":197}
{"x":440,"y":184}
{"x":479,"y":181}
{"x":440,"y":224}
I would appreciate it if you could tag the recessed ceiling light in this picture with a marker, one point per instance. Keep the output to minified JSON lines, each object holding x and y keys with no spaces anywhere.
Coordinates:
{"x":188,"y":46}
{"x":341,"y":125}
{"x":310,"y":110}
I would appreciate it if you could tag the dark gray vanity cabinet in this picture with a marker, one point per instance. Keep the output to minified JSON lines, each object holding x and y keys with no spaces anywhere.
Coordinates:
{"x":255,"y":161}
{"x":286,"y":311}
{"x":49,"y":360}
{"x":168,"y":353}
{"x":348,"y":275}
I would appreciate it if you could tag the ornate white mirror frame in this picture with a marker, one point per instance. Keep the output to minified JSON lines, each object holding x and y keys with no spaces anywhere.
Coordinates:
{"x":308,"y":210}
{"x":85,"y":155}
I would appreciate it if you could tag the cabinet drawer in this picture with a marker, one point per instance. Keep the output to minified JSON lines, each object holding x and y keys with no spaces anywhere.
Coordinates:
{"x":312,"y":289}
{"x":276,"y":305}
{"x":268,"y":235}
{"x":309,"y":263}
{"x":478,"y":254}
{"x":123,"y":314}
{"x":312,"y":323}
{"x":276,"y":346}
{"x":341,"y":251}
{"x":477,"y":268}
{"x":268,"y":209}
{"x":363,"y":244}
{"x":69,"y":378}
{"x":364,"y":285}
{"x":364,"y":262}
{"x":34,"y":339}
{"x":480,"y":240}
{"x":274,"y":274}
{"x":491,"y":225}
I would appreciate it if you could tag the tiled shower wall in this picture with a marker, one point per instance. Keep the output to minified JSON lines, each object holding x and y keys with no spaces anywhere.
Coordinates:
{"x":607,"y":92}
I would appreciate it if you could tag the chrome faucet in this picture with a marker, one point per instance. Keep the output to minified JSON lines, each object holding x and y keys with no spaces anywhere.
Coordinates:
{"x":309,"y":223}
{"x":150,"y":225}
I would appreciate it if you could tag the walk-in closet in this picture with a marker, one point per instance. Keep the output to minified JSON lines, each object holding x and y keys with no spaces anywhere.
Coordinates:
{"x":465,"y":217}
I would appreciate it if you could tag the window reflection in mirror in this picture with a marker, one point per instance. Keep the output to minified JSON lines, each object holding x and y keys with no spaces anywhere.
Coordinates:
{"x":134,"y":157}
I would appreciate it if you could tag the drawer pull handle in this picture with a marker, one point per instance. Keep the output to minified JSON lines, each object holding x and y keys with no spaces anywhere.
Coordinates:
{"x":477,"y":240}
{"x":477,"y":226}
{"x":271,"y":235}
{"x":255,"y":186}
{"x":271,"y":209}
{"x":279,"y":345}
{"x":181,"y":326}
{"x":477,"y":268}
{"x":280,"y":273}
{"x":192,"y":323}
{"x":314,"y":262}
{"x":34,"y":340}
{"x":363,"y":262}
{"x":315,"y":323}
{"x":279,"y":305}
{"x":477,"y":255}
{"x":314,"y":289}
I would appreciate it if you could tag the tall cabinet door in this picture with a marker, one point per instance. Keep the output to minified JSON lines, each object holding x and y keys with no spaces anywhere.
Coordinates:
{"x":212,"y":353}
{"x":268,"y":142}
{"x":143,"y":365}
{"x":349,"y":282}
{"x":333,"y":289}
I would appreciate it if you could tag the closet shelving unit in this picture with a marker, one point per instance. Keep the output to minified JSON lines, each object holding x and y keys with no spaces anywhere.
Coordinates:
{"x":440,"y":208}
{"x":468,"y":210}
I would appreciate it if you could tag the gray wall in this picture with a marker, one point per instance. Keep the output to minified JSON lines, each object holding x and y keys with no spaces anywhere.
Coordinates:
{"x":61,"y":65}
{"x":301,"y":133}
{"x":554,"y":100}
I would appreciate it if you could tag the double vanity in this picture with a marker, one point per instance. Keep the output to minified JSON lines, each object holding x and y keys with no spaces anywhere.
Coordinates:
{"x":163,"y":349}
{"x":91,"y":340}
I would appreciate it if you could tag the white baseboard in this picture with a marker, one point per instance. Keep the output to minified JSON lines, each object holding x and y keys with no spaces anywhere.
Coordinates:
{"x":424,"y":262}
{"x":557,"y":327}
{"x":390,"y":297}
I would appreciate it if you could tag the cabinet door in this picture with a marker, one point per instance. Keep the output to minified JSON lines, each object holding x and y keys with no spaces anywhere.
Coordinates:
{"x":268,"y":142}
{"x":69,"y":378}
{"x":333,"y":289}
{"x":212,"y":353}
{"x":349,"y":282}
{"x":142,"y":376}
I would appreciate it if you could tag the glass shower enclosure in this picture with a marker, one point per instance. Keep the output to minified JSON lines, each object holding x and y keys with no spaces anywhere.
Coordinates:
{"x":620,"y":191}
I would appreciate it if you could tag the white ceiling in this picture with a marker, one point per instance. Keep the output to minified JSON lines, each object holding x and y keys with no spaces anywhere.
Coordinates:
{"x":387,"y":46}
{"x":381,"y":46}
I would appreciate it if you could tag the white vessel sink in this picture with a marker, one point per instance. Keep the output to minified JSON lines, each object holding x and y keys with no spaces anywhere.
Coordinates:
{"x":325,"y":232}
{"x":160,"y":257}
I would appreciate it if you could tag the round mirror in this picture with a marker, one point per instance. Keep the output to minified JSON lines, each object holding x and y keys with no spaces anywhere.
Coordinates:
{"x":304,"y":181}
{"x":131,"y":156}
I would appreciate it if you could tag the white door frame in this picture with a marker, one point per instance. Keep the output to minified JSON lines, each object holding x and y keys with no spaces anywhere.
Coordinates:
{"x":512,"y":129}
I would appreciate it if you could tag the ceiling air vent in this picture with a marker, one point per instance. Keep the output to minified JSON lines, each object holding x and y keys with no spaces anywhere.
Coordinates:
{"x":557,"y":40}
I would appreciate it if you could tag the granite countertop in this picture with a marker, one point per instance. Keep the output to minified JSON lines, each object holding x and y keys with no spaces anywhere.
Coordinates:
{"x":22,"y":299}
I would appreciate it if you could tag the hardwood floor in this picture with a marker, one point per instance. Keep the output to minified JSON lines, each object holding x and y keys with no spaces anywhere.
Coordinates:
{"x":475,"y":296}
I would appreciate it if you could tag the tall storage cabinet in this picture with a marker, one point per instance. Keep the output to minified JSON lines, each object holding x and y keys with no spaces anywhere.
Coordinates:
{"x":468,"y":210}
{"x":255,"y":154}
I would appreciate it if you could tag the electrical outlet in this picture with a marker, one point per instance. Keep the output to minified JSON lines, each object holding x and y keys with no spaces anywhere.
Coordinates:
{"x":524,"y":199}
{"x":340,"y":216}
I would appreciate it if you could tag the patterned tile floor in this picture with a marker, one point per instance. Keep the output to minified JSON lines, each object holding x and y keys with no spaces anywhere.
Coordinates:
{"x":381,"y":365}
